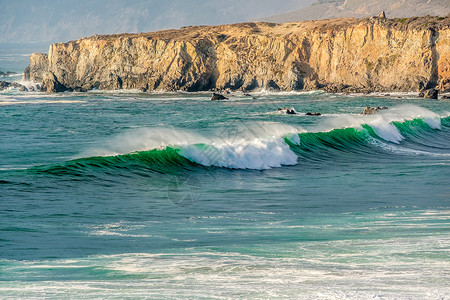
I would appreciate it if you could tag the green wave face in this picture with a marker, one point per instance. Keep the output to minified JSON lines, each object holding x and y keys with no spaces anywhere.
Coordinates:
{"x":410,"y":137}
{"x":156,"y":161}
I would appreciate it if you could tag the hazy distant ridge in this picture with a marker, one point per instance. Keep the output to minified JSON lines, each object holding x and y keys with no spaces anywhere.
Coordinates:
{"x":53,"y":21}
{"x":328,"y":9}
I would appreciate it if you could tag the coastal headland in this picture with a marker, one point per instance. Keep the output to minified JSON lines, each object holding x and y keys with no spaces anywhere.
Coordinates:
{"x":339,"y":55}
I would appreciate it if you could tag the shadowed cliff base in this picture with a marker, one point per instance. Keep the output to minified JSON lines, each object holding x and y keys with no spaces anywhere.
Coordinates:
{"x":338,"y":55}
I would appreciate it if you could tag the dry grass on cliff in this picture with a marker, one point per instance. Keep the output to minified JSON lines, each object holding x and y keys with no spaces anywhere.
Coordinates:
{"x":274,"y":29}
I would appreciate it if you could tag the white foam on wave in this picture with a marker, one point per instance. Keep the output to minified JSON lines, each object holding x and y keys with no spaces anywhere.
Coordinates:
{"x":256,"y":145}
{"x":386,"y":130}
{"x":143,"y":139}
{"x":266,"y":92}
{"x":381,"y":122}
{"x":404,"y":151}
{"x":406,"y":112}
{"x":256,"y":154}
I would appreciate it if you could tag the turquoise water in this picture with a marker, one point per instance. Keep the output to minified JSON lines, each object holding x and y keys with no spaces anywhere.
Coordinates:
{"x":129,"y":194}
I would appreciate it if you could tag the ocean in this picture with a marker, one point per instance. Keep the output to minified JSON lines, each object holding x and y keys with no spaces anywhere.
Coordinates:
{"x":125,"y":194}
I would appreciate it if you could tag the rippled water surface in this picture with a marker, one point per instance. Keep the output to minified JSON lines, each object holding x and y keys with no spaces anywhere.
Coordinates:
{"x":128,"y":194}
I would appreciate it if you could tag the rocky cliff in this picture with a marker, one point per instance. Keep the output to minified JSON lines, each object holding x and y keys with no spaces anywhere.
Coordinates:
{"x":342,"y":54}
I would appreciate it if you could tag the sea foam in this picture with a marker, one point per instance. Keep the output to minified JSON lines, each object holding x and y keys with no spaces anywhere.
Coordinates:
{"x":254,"y":145}
{"x":382,"y":122}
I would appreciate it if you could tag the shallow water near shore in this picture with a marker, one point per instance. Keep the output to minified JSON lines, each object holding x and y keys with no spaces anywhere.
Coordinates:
{"x":171,"y":195}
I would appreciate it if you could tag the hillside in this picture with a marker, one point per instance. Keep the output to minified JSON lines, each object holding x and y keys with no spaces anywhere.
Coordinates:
{"x":329,"y":9}
{"x":52,"y":21}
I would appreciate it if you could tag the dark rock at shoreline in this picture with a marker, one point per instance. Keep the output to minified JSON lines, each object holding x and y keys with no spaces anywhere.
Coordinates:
{"x":216,"y":96}
{"x":336,"y":88}
{"x":291,"y":111}
{"x":51,"y":84}
{"x":347,"y":89}
{"x":288,"y":111}
{"x":7,"y":73}
{"x":4,"y":85}
{"x":445,"y":97}
{"x":429,"y":94}
{"x":7,"y":84}
{"x":373,"y":110}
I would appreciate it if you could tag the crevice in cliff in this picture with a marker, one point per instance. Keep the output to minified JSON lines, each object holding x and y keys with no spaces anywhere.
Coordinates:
{"x":434,"y":36}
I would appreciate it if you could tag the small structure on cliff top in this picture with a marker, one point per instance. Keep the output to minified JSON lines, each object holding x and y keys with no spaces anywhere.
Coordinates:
{"x":382,"y":15}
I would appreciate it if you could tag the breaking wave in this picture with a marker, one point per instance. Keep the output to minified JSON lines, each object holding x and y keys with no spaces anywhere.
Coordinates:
{"x":265,"y":145}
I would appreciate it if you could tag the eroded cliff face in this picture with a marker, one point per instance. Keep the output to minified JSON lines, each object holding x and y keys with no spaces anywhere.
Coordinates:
{"x":357,"y":55}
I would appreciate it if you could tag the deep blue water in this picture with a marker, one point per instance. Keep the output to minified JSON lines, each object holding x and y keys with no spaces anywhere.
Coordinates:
{"x":128,"y":194}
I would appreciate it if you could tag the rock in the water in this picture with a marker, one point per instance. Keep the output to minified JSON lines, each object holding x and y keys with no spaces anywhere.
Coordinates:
{"x":336,"y":88}
{"x":4,"y":85}
{"x":7,"y":73}
{"x":288,"y":111}
{"x":291,"y":111}
{"x":7,"y":84}
{"x":216,"y":96}
{"x":429,"y":94}
{"x":313,"y":114}
{"x":373,"y":110}
{"x":445,"y":97}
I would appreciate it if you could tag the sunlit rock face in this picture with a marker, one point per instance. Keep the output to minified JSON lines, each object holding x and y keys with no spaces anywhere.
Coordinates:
{"x":361,"y":55}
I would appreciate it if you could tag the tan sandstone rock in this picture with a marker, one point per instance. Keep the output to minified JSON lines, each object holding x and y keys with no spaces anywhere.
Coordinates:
{"x":364,"y":55}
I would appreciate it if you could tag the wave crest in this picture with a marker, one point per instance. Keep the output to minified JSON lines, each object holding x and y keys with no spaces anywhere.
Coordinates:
{"x":265,"y":145}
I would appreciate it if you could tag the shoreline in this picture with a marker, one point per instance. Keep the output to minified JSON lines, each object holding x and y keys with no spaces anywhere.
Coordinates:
{"x":31,"y":88}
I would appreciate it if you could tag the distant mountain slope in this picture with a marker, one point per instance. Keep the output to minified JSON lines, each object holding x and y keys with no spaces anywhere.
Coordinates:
{"x":50,"y":20}
{"x":328,"y":9}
